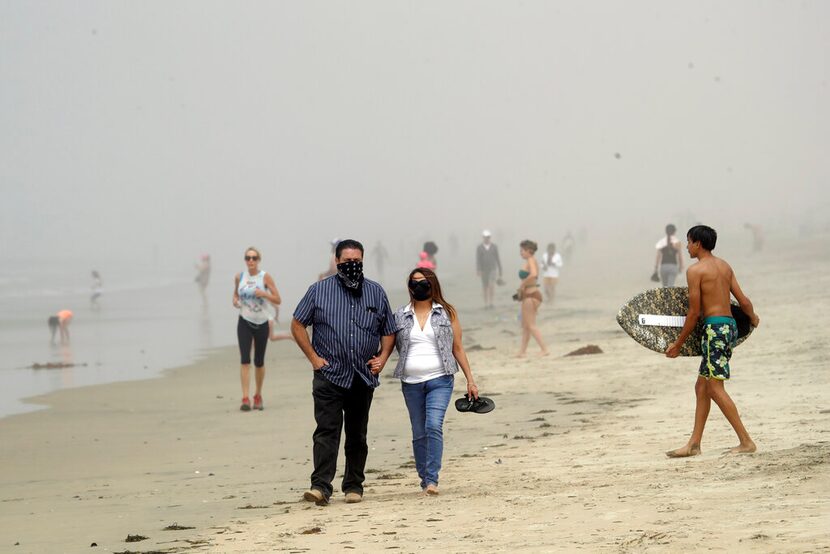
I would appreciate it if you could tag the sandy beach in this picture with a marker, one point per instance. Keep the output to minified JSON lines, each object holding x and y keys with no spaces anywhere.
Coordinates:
{"x":571,"y":459}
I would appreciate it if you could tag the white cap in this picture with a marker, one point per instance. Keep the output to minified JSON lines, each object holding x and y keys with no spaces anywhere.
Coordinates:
{"x":486,"y":233}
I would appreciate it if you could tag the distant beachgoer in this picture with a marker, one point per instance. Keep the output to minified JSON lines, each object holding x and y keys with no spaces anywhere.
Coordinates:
{"x":551,"y":264}
{"x":332,"y":270}
{"x":429,"y":353}
{"x":60,"y":320}
{"x":488,"y":267}
{"x":757,"y":237}
{"x":253,"y":288}
{"x":427,"y":256}
{"x":568,"y":243}
{"x":711,"y":280}
{"x":425,"y":262}
{"x":203,"y":274}
{"x":273,"y":321}
{"x":669,"y":260}
{"x":380,"y":255}
{"x":354,"y":334}
{"x":97,"y":288}
{"x":530,"y":297}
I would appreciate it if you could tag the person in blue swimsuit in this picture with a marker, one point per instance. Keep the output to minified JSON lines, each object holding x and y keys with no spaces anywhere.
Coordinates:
{"x":530,"y":297}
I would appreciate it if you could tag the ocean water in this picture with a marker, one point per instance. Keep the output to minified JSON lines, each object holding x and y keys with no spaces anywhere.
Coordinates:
{"x":147,"y":320}
{"x":150,"y":317}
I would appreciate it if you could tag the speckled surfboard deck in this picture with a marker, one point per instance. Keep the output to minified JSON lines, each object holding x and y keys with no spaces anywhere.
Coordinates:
{"x":643,"y":318}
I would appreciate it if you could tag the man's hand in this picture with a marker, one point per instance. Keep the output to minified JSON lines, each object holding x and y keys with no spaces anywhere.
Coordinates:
{"x":376,"y":364}
{"x":318,"y":363}
{"x":673,"y":351}
{"x":754,"y":320}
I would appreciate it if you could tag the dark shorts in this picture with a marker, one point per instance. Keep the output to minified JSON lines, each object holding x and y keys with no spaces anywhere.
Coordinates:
{"x":488,"y":277}
{"x":719,"y":336}
{"x":53,"y":322}
{"x":252,"y":333}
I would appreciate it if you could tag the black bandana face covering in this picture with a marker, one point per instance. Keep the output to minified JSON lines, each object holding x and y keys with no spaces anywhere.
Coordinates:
{"x":421,"y":290}
{"x":351,"y":275}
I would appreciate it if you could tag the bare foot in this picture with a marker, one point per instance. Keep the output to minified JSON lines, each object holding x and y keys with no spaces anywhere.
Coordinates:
{"x":743,"y":448}
{"x":684,"y":452}
{"x":432,"y":490}
{"x":521,"y":355}
{"x":544,"y":353}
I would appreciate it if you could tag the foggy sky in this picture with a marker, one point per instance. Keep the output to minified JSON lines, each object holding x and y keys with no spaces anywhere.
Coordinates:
{"x":191,"y":127}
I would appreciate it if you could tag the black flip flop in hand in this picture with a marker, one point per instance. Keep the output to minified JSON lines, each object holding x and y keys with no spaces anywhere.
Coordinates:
{"x":480,"y":405}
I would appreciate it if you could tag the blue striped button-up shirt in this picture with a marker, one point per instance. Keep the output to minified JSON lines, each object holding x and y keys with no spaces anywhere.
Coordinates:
{"x":346,"y":329}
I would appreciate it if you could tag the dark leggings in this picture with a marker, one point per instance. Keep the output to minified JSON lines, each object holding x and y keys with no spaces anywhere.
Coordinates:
{"x":248,"y":332}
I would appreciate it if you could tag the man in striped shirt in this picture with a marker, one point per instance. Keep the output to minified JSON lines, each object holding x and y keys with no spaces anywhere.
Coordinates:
{"x":354,"y":334}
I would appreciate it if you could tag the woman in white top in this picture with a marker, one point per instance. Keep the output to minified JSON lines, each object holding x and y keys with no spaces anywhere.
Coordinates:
{"x":551,"y":264}
{"x":669,"y":259}
{"x":428,"y":339}
{"x":252,"y":289}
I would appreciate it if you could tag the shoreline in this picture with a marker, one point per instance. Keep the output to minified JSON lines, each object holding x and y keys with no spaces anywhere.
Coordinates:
{"x":133,"y":335}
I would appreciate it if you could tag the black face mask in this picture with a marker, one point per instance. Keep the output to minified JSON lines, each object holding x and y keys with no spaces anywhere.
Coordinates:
{"x":421,"y":290}
{"x":351,"y":275}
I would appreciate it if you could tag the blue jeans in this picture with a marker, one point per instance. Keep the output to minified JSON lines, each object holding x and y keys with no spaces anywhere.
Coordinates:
{"x":427,"y":404}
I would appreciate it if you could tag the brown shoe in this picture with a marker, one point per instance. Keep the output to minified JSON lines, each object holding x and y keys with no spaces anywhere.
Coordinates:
{"x":316,"y":496}
{"x":353,"y":497}
{"x":432,"y":489}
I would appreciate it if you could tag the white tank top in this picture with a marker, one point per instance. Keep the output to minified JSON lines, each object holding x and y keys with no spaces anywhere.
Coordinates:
{"x":422,"y":359}
{"x":251,"y":308}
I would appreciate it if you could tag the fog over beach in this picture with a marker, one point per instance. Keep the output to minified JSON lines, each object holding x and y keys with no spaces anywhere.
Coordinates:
{"x":136,"y":138}
{"x":134,"y":131}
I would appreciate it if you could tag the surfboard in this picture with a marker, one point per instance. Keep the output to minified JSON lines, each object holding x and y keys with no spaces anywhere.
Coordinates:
{"x":655,"y":317}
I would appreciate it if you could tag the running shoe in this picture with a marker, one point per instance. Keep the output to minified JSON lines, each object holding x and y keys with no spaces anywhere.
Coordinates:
{"x":258,"y":402}
{"x":246,"y":404}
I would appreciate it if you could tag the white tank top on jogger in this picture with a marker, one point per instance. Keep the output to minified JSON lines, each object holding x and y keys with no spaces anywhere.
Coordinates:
{"x":252,"y":308}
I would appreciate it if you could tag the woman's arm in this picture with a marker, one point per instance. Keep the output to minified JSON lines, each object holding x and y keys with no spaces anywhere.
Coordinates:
{"x":461,"y":357}
{"x":271,"y":293}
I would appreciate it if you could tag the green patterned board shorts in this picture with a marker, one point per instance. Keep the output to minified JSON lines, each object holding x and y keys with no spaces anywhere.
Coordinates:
{"x":719,"y":336}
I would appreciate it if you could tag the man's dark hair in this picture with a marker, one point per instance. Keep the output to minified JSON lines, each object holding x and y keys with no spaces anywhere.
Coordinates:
{"x":706,"y":236}
{"x":348,"y":243}
{"x":670,"y":229}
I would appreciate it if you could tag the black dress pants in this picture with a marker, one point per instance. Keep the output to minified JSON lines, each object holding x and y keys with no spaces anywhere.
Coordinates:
{"x":334,"y":406}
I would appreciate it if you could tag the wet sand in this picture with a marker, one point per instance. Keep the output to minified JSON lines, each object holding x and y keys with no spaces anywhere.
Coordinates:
{"x":571,"y":459}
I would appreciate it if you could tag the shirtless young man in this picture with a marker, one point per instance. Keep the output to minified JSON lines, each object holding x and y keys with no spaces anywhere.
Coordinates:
{"x":711,"y":280}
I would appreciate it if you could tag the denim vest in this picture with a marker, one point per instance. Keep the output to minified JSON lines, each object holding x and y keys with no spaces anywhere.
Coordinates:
{"x":441,"y":325}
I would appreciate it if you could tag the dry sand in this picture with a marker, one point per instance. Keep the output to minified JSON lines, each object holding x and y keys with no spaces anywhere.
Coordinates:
{"x":570,"y":460}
